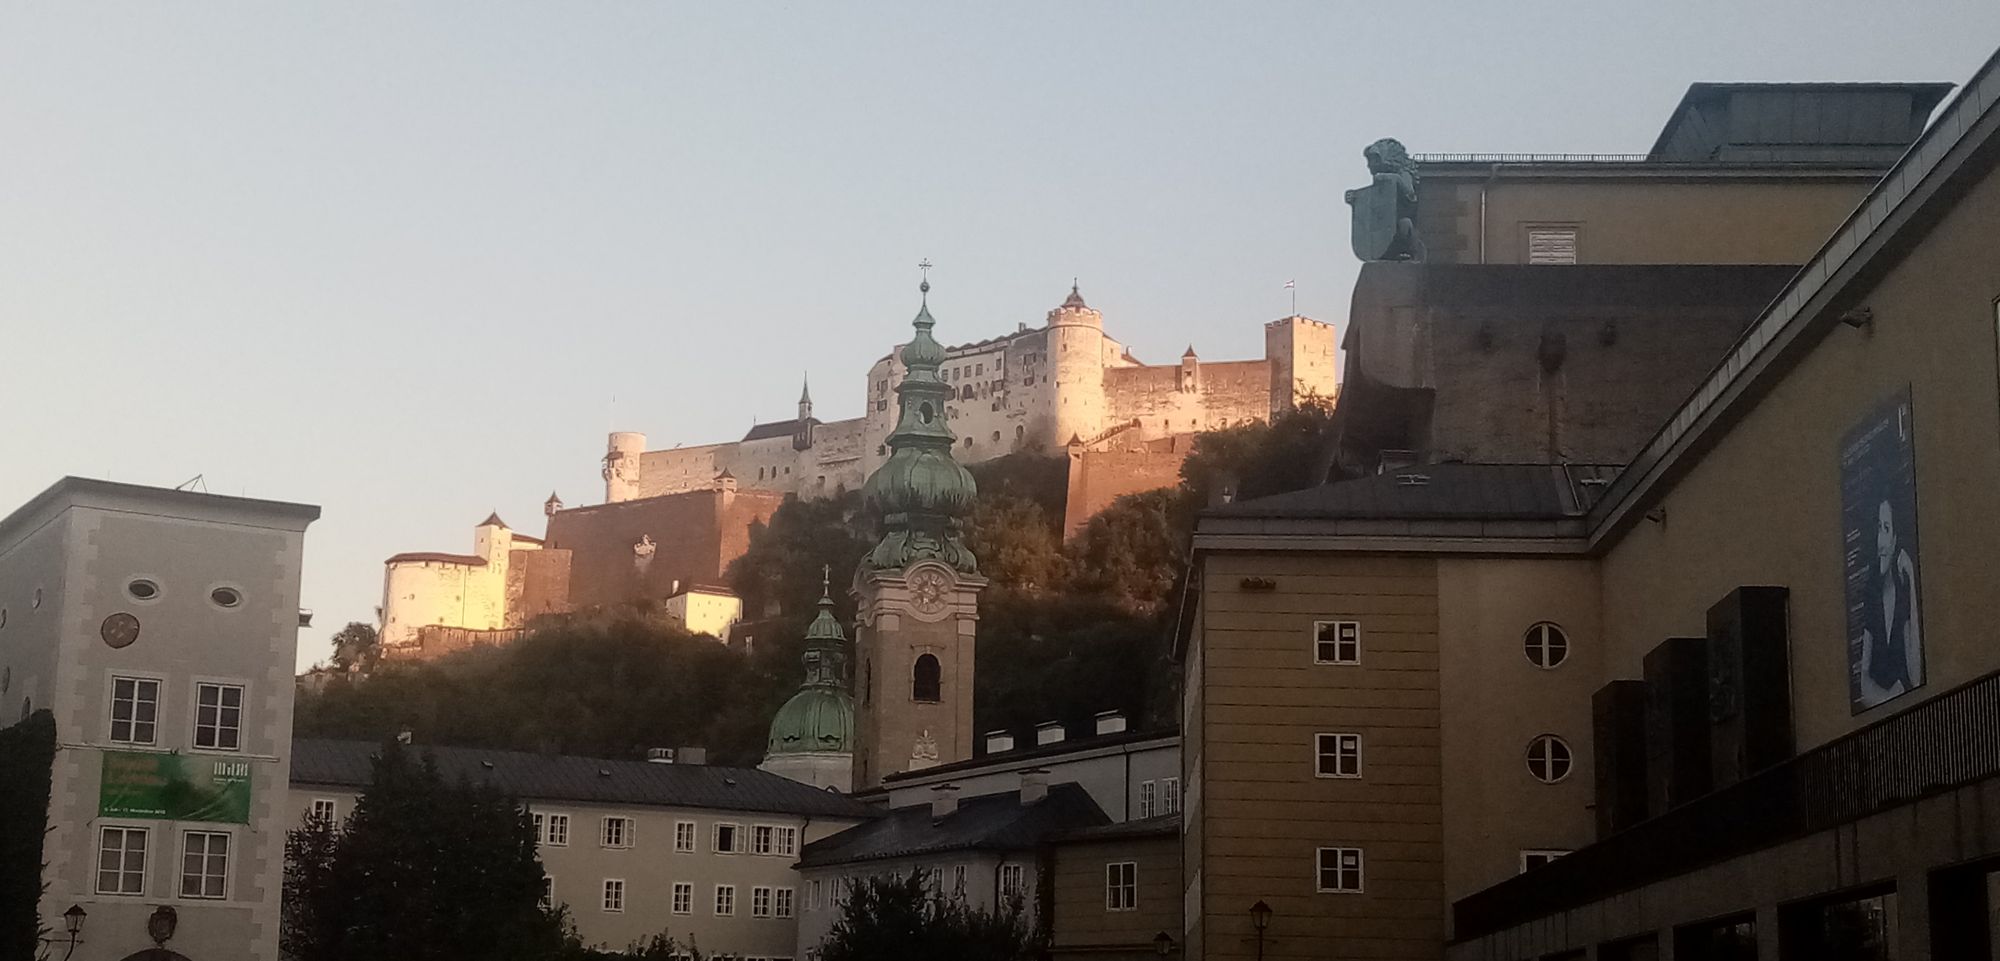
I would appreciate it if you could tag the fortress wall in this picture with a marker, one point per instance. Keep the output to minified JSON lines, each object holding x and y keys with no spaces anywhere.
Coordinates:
{"x":840,"y":454}
{"x":417,"y":594}
{"x":537,"y":584}
{"x":694,"y":534}
{"x":1227,"y":393}
{"x":682,"y":468}
{"x":1096,"y":478}
{"x":769,"y":464}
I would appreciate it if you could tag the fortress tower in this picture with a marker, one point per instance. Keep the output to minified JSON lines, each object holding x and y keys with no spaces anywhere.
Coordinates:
{"x":621,"y":466}
{"x":919,"y":587}
{"x":1076,"y":359}
{"x":1300,"y":352}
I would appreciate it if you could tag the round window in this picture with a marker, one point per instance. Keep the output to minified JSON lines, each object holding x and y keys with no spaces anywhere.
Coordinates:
{"x":1548,"y":758}
{"x":226,"y":596}
{"x":142,"y":590}
{"x":1546,"y":645}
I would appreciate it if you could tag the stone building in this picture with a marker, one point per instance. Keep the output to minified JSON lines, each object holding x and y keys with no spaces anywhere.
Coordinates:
{"x":158,"y":628}
{"x":1036,"y":389}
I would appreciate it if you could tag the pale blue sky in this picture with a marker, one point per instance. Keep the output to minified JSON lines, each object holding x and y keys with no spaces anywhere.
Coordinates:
{"x":396,"y":259}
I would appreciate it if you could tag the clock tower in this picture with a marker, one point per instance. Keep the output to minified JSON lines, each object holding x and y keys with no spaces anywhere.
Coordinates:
{"x":919,"y":586}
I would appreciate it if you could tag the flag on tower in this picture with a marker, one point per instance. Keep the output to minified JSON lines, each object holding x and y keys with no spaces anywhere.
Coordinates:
{"x":1289,"y":285}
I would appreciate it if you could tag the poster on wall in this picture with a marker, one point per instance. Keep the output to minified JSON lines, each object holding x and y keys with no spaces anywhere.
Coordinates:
{"x":175,"y":787}
{"x":1878,"y":519}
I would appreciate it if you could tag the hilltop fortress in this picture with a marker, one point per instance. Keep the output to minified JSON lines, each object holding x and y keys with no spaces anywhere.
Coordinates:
{"x":672,"y":520}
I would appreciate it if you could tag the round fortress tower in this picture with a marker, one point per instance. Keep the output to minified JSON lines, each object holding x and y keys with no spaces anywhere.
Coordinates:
{"x":621,"y":465}
{"x":1076,"y":363}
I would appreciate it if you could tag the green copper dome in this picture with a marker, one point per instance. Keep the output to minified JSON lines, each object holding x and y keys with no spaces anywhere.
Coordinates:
{"x":922,"y":495}
{"x":820,"y":717}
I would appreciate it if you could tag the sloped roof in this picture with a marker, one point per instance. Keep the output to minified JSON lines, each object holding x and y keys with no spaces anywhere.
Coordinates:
{"x":1164,"y":825}
{"x":993,"y":822}
{"x":439,"y":556}
{"x":777,"y":428}
{"x":1443,"y":491}
{"x":540,"y":777}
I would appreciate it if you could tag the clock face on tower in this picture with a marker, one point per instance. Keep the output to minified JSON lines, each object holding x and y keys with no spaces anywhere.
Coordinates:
{"x":929,"y":590}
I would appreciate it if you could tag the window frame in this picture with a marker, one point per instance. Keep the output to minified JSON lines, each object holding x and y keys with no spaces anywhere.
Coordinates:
{"x":689,"y":831}
{"x":1537,"y":648}
{"x":1320,"y":868}
{"x":1568,"y":759}
{"x":681,"y":899}
{"x":763,"y":839}
{"x":624,"y":841}
{"x":760,"y":911}
{"x":723,"y":891}
{"x":1339,"y":756}
{"x":1121,"y":886}
{"x":735,"y":835}
{"x":1149,"y":792}
{"x":548,"y":890}
{"x":159,"y":683}
{"x":545,"y":828}
{"x":787,"y":841}
{"x":1013,"y":881}
{"x":221,"y":685}
{"x":935,"y":685}
{"x":784,"y":903}
{"x":207,"y":856}
{"x":1170,"y":794}
{"x":611,"y":900}
{"x":332,"y":809}
{"x":1337,"y":660}
{"x":124,"y":850}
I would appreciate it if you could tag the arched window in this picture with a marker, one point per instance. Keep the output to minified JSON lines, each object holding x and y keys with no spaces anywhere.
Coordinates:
{"x":926,"y":679}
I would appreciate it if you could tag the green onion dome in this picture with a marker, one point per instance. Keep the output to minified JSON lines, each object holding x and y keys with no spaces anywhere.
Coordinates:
{"x":921,"y":494}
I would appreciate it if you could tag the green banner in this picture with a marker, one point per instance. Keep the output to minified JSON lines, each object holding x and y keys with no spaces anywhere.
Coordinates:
{"x":175,"y":787}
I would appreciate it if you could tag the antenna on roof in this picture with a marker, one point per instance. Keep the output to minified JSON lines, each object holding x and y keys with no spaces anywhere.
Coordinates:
{"x":192,"y":482}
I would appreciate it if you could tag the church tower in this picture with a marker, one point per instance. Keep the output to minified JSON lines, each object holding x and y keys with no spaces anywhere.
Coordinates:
{"x":812,"y":736}
{"x":802,"y":434}
{"x":919,"y":587}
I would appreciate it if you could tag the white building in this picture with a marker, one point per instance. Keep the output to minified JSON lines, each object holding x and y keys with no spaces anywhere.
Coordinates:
{"x":633,"y":848}
{"x":706,"y":609}
{"x":159,"y":628}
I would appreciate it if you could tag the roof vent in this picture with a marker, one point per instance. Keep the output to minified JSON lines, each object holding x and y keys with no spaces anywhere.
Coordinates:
{"x":1413,"y":480}
{"x":1050,"y":732}
{"x":1111,"y":722}
{"x":604,"y":772}
{"x":1034,"y":786}
{"x":486,"y":764}
{"x":999,"y":742}
{"x":944,"y":801}
{"x":659,"y":755}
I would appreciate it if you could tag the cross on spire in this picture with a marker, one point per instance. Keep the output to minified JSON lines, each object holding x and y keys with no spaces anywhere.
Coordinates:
{"x":925,"y":266}
{"x":826,"y":580}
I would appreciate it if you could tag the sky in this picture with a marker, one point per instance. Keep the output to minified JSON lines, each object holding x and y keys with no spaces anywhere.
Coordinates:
{"x":411,"y":261}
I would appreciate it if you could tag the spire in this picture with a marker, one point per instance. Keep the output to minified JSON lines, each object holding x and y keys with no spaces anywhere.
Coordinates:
{"x":805,"y":391}
{"x":1190,"y":352}
{"x":820,"y":717}
{"x":551,"y":506}
{"x":1075,"y":298}
{"x":493,"y":520}
{"x":921,"y":494}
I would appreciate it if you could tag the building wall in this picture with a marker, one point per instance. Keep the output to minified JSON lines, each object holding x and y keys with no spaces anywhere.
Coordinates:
{"x":1625,"y":220}
{"x":1300,"y":353}
{"x":34,"y":580}
{"x":418,"y":594}
{"x":704,"y":613}
{"x":1114,"y":775}
{"x":1082,"y":923}
{"x":649,"y":867}
{"x":982,"y":877}
{"x":695,"y":536}
{"x":1495,"y":701}
{"x":1260,"y":812}
{"x":537,"y":584}
{"x":1098,"y":477}
{"x":1777,"y":473}
{"x":184,"y":638}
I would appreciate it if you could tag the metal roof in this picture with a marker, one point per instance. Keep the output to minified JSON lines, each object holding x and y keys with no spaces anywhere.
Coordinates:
{"x":1443,"y":491}
{"x":992,"y":822}
{"x":777,"y":428}
{"x":542,"y":777}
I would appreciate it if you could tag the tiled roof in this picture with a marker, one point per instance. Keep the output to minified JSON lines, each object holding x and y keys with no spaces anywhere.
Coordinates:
{"x":471,"y":559}
{"x":1444,"y":491}
{"x":539,"y":777}
{"x":993,"y":822}
{"x":777,"y":428}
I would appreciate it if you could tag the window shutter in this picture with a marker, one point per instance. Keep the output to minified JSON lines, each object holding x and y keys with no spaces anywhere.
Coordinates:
{"x":1552,"y":245}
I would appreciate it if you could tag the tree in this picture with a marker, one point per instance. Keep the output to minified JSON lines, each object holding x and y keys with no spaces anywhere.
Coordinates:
{"x":355,"y":646}
{"x":1293,"y":451}
{"x":899,"y":918}
{"x":780,"y":571}
{"x":421,"y":871}
{"x":1016,"y":544}
{"x":1132,"y":551}
{"x":1065,"y":657}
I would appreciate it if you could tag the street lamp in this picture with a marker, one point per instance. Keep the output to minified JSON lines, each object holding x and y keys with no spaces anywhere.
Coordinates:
{"x":73,"y":926}
{"x":1260,"y":918}
{"x":1163,"y":944}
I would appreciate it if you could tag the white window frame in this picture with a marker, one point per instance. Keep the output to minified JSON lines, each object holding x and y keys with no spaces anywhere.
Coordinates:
{"x":1548,"y":757}
{"x":760,"y":901}
{"x":1337,"y":642}
{"x":683,"y":898}
{"x":735,"y":834}
{"x":1360,"y":871}
{"x":812,"y":895}
{"x":613,"y":896}
{"x":783,"y":903}
{"x":548,"y":891}
{"x":725,"y":896}
{"x":1013,"y":881}
{"x":958,"y":880}
{"x":1545,"y":854}
{"x":111,"y":708}
{"x":763,"y":839}
{"x":1340,"y":742}
{"x":181,"y":876}
{"x":545,"y":829}
{"x":221,"y":686}
{"x":1121,"y":886}
{"x":1170,"y":795}
{"x":126,"y":831}
{"x":787,"y":838}
{"x":687,"y":837}
{"x":1538,"y":649}
{"x":331,"y":805}
{"x":624,"y":839}
{"x":1148,"y":794}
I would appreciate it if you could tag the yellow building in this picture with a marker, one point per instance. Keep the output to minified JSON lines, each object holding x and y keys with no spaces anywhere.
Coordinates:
{"x":1732,"y":700}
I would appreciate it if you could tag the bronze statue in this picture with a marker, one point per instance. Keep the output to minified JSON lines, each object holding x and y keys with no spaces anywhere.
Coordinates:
{"x":1385,"y":211}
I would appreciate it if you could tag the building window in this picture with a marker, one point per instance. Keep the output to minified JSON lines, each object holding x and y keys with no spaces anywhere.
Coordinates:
{"x":1148,"y":797}
{"x":1011,"y":876}
{"x":683,"y":897}
{"x":725,"y":900}
{"x":781,"y":903}
{"x":1121,"y":886}
{"x":548,"y":892}
{"x":552,"y":829}
{"x":728,"y":839}
{"x":812,"y":895}
{"x":617,"y":832}
{"x":218,"y":716}
{"x":325,"y":809}
{"x":614,"y":895}
{"x":926,"y":679}
{"x":1339,"y":755}
{"x":121,"y":861}
{"x":1340,"y":870}
{"x":760,"y":902}
{"x":205,"y":865}
{"x":684,"y":837}
{"x":1546,"y":645}
{"x":785,"y":842}
{"x":1533,"y":859}
{"x":135,"y":710}
{"x":1336,"y":642}
{"x":1551,"y":245}
{"x":1170,"y":795}
{"x":760,"y":839}
{"x":958,"y":880}
{"x":1548,"y":758}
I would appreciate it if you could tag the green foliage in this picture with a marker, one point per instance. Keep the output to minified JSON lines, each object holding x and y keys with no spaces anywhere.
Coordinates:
{"x":1132,"y":552}
{"x":355,"y":645}
{"x":1065,"y":657}
{"x":422,"y":870}
{"x":1016,"y":543}
{"x":898,"y":918}
{"x":659,"y":947}
{"x":27,"y":756}
{"x":1037,"y":478}
{"x":609,"y":686}
{"x":1292,"y":452}
{"x":780,"y":572}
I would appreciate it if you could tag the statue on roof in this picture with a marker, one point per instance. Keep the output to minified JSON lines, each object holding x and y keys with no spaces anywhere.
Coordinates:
{"x":1385,"y":211}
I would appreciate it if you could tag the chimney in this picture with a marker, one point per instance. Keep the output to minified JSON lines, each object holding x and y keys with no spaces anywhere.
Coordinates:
{"x":659,"y":755}
{"x":1049,"y":732}
{"x":1034,"y":786}
{"x":944,"y":801}
{"x":1110,"y":722}
{"x":404,"y":736}
{"x":999,"y":742}
{"x":691,"y":755}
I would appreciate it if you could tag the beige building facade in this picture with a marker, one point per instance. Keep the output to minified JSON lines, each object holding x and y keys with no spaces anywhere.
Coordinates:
{"x":159,"y":628}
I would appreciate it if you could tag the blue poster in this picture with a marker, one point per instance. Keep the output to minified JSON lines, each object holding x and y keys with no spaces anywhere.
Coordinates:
{"x":1878,"y":520}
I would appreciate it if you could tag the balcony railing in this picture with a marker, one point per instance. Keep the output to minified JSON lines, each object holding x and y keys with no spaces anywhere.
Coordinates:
{"x":1528,"y":158}
{"x":1946,"y":742}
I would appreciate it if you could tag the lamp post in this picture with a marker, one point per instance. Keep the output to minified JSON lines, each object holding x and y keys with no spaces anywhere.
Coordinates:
{"x":1260,"y":918}
{"x":73,"y":926}
{"x":1163,"y":944}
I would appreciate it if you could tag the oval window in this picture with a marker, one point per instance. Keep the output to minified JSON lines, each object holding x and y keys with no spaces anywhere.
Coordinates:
{"x":143,"y":590}
{"x":925,"y":412}
{"x":226,"y":596}
{"x":1548,"y":758}
{"x":1546,"y":645}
